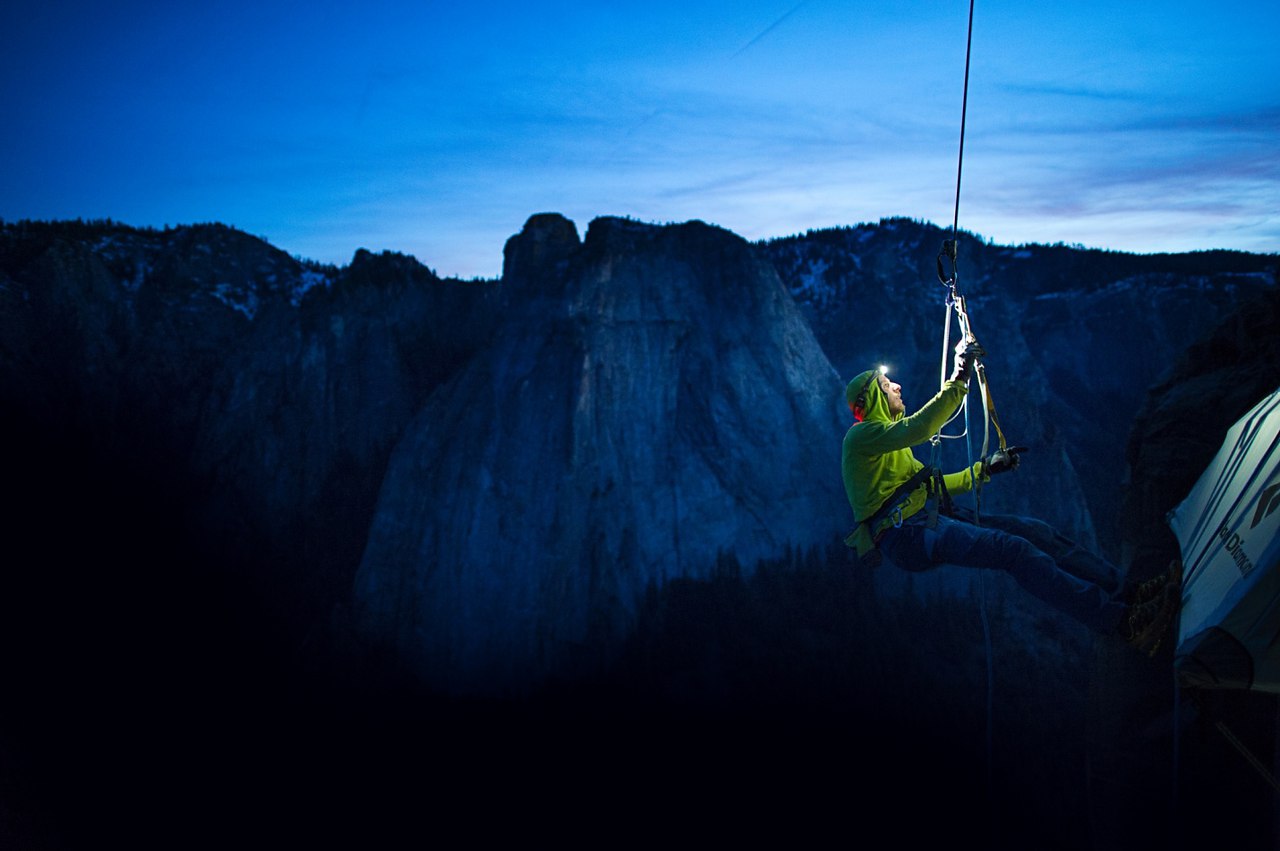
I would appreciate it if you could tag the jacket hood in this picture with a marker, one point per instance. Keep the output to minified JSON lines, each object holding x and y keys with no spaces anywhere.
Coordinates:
{"x":877,"y":406}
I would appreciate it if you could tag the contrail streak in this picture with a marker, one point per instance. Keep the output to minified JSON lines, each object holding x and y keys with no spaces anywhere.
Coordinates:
{"x":770,"y":28}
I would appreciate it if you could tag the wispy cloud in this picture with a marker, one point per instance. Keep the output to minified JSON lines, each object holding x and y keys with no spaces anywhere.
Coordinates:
{"x":437,"y":130}
{"x":1060,"y":90}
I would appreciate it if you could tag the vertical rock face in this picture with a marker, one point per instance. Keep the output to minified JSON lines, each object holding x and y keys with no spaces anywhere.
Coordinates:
{"x":653,"y":400}
{"x":298,"y":425}
{"x":1184,"y":419}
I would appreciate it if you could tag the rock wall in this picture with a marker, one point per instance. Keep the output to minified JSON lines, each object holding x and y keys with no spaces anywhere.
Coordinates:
{"x":653,"y":399}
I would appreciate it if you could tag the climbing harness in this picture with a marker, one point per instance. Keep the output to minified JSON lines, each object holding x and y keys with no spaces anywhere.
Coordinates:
{"x":891,"y":509}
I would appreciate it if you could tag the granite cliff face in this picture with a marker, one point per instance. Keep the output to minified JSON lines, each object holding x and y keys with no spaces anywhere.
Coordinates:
{"x":652,"y":401}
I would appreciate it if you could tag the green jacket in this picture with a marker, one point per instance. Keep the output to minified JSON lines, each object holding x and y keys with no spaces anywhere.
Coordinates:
{"x":878,"y":457}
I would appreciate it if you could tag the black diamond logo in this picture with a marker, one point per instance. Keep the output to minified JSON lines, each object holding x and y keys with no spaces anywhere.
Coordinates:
{"x":1267,"y":503}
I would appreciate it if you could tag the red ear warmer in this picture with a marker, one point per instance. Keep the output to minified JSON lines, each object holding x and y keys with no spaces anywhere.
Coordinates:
{"x":858,"y":404}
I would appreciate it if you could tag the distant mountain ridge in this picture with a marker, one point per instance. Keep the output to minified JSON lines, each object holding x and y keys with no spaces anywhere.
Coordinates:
{"x":511,"y":464}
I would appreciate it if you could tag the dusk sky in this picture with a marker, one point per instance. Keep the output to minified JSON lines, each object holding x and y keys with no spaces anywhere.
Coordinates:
{"x":437,"y":129}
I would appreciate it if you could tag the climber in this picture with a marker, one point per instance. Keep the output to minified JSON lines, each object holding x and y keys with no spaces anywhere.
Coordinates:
{"x":903,"y":511}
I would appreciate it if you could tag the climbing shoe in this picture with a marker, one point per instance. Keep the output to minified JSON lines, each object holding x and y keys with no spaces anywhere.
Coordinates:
{"x":1145,"y":624}
{"x":1152,"y":588}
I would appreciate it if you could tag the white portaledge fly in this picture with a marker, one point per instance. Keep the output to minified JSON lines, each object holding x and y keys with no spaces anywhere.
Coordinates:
{"x":1229,"y":531}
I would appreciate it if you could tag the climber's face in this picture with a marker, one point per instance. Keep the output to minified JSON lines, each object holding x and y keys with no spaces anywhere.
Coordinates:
{"x":893,"y":392}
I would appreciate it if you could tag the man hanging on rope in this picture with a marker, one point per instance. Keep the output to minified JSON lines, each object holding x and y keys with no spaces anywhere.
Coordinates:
{"x":903,"y":512}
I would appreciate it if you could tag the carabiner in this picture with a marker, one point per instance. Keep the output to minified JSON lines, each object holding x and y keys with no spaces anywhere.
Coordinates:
{"x":948,"y":251}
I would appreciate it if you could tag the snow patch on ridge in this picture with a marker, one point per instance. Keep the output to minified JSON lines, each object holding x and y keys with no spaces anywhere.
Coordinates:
{"x":308,"y":281}
{"x":244,"y":300}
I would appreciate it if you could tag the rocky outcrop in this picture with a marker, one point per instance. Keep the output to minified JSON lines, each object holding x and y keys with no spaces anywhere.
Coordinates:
{"x":1185,"y":416}
{"x":652,"y":400}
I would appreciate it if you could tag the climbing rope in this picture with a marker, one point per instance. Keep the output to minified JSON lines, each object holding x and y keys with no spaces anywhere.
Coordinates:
{"x":955,"y":302}
{"x":964,"y":109}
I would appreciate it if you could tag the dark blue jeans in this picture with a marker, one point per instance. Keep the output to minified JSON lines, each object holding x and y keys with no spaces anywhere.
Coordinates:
{"x":1050,"y":566}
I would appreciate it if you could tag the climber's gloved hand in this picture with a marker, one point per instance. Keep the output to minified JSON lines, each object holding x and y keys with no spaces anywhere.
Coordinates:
{"x":967,"y":354}
{"x":1002,"y":460}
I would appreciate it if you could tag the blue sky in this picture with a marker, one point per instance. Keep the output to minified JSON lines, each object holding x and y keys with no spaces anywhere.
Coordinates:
{"x":437,"y":129}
